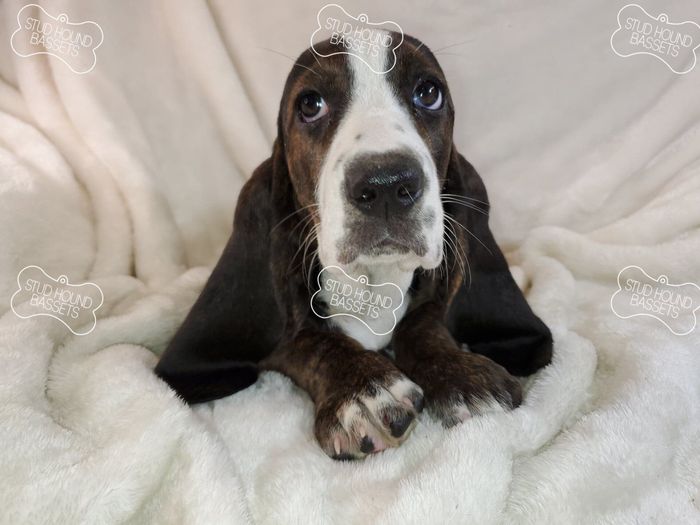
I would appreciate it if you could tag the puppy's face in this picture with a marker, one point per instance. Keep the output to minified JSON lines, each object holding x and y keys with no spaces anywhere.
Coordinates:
{"x":368,"y":154}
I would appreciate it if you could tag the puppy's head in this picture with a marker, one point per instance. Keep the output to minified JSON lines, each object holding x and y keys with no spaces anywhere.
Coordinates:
{"x":368,"y":154}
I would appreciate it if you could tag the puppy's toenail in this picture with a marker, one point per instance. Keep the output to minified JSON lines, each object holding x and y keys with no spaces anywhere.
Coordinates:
{"x":398,"y":427}
{"x":419,"y":403}
{"x":343,"y":457}
{"x":336,"y":445}
{"x":366,"y":445}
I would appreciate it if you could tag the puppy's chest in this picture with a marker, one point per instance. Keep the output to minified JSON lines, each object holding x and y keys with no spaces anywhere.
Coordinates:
{"x":367,"y":308}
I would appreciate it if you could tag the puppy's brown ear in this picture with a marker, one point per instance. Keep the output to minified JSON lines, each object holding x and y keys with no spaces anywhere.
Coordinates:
{"x":490,"y":313}
{"x":235,"y":321}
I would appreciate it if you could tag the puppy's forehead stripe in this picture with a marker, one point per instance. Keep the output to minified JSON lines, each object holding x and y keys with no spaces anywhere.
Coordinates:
{"x":369,"y":87}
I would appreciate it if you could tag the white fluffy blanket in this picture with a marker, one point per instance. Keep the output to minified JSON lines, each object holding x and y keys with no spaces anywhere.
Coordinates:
{"x":126,"y":177}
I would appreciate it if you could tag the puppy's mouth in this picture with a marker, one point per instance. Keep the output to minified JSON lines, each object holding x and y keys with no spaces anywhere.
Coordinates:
{"x":374,"y":241}
{"x":387,"y":246}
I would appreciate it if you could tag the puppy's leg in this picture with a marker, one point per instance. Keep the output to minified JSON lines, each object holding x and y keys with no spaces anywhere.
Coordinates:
{"x":364,"y":404}
{"x":456,"y":383}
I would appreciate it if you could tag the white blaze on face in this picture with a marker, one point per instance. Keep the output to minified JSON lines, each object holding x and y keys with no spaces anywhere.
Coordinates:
{"x":383,"y":124}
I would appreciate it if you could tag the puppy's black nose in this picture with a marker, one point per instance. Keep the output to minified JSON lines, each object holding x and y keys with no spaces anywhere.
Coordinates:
{"x":383,"y":184}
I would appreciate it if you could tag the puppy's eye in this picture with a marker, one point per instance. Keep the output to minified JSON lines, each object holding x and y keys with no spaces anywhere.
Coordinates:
{"x":428,"y":95}
{"x":312,"y":106}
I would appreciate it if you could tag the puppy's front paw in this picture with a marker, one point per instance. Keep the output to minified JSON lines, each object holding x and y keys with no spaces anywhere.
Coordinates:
{"x":460,"y":384}
{"x":367,"y":415}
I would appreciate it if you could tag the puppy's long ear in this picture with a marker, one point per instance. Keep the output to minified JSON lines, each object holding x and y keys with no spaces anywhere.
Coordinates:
{"x":490,"y":313}
{"x":235,"y":321}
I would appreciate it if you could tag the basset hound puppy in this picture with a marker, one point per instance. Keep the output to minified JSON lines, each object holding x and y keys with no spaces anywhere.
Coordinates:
{"x":365,"y":177}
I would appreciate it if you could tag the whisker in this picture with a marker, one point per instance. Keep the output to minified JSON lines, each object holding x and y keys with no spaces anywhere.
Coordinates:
{"x":304,"y":223}
{"x":314,"y":258}
{"x":447,"y":245}
{"x":303,"y":233}
{"x":464,"y":197}
{"x":292,"y":215}
{"x":408,"y":193}
{"x":448,"y":54}
{"x":466,"y":205}
{"x":416,"y":49}
{"x":290,"y":58}
{"x":469,"y":269}
{"x":464,"y":259}
{"x":454,"y":242}
{"x":452,"y":45}
{"x":313,"y":54}
{"x":310,"y":237}
{"x":307,"y":274}
{"x":453,"y":220}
